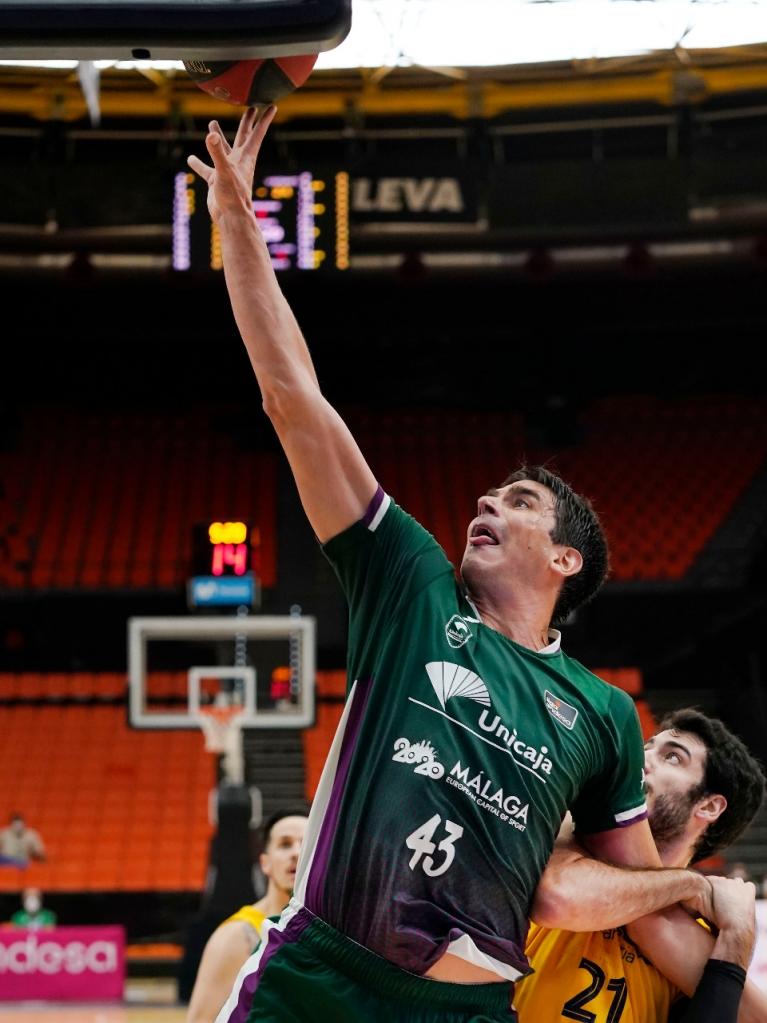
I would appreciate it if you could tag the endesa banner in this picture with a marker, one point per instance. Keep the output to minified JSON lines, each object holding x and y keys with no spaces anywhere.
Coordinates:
{"x":62,"y":963}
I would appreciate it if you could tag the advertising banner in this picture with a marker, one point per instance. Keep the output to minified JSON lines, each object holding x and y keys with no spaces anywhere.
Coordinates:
{"x":62,"y":964}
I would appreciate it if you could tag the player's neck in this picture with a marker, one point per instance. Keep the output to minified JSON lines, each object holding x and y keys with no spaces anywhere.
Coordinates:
{"x":273,"y":903}
{"x":526,"y":624}
{"x":678,"y":852}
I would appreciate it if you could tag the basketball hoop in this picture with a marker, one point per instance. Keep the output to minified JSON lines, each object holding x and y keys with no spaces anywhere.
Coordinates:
{"x":219,"y":725}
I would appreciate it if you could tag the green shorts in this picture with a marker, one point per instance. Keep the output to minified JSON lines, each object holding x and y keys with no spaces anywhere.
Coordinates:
{"x":307,"y":972}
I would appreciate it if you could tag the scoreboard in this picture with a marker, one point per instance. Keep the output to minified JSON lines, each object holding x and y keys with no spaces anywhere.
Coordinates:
{"x":304,"y":219}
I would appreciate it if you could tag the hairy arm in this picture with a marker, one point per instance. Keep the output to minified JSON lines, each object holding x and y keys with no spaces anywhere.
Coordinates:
{"x":579,"y":893}
{"x":334,"y":481}
{"x":227,"y":949}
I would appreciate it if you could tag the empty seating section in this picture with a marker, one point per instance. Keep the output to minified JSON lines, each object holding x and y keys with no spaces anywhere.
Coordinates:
{"x":663,"y":474}
{"x":118,"y":809}
{"x":110,"y":501}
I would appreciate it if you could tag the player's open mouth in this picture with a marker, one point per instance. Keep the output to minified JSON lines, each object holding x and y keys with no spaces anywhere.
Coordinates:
{"x":481,"y":535}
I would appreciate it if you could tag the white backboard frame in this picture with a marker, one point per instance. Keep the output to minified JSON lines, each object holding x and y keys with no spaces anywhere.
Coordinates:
{"x":217,"y":627}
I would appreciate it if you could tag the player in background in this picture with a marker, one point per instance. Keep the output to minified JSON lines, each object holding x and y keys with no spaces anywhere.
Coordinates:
{"x":236,"y":938}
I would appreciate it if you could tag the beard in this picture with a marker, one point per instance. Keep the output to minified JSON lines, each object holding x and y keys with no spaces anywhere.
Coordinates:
{"x":670,"y":815}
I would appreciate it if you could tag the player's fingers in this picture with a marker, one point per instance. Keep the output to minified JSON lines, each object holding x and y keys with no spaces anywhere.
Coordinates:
{"x":214,"y":126}
{"x":200,"y":168}
{"x":245,"y":126}
{"x":215,"y":146}
{"x":259,"y":129}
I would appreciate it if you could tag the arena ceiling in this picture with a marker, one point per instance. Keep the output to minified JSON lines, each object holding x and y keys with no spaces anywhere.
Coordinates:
{"x":666,"y":78}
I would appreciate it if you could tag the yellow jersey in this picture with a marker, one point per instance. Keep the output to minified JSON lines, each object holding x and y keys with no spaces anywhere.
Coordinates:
{"x":252,"y":917}
{"x":598,"y":977}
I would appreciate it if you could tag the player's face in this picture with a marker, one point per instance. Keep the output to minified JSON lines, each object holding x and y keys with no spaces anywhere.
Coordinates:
{"x":512,"y":531}
{"x":674,"y":769}
{"x":280,"y":859}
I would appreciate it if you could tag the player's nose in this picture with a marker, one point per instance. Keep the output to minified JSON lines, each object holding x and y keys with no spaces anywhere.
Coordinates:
{"x":487,"y":505}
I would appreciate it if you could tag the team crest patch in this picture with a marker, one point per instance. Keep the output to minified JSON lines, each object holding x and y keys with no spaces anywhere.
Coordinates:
{"x":563,"y":712}
{"x":457,"y":632}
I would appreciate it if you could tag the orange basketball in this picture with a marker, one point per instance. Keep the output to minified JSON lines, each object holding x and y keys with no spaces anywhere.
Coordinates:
{"x":251,"y":82}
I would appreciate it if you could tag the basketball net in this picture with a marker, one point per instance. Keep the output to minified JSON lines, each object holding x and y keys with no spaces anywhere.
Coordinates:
{"x":223,"y":734}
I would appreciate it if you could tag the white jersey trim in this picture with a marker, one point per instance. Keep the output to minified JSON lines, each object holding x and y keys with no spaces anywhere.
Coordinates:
{"x":464,"y":948}
{"x":375,"y":522}
{"x":320,"y":804}
{"x":628,"y":815}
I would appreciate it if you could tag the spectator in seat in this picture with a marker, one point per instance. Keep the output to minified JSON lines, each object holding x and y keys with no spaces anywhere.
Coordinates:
{"x":33,"y":915}
{"x":20,"y":844}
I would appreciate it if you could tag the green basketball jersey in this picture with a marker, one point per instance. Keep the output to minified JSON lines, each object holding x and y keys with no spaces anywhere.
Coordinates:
{"x":457,"y":756}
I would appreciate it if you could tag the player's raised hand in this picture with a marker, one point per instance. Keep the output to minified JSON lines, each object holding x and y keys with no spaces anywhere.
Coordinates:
{"x":734,"y":914}
{"x":230,"y":179}
{"x":734,"y":902}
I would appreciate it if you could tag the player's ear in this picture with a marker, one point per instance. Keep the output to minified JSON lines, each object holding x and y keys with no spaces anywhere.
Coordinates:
{"x":567,"y":561}
{"x":265,"y":864}
{"x":711,"y":808}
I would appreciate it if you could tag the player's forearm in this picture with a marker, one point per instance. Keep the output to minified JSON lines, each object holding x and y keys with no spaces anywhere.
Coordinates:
{"x":272,"y":337}
{"x":735,"y":945}
{"x":677,"y":945}
{"x":582,"y":894}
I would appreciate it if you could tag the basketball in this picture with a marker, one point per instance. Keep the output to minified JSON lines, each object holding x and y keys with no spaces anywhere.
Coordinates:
{"x":251,"y":82}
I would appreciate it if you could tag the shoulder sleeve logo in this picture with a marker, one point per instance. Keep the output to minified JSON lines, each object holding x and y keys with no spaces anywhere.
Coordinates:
{"x":560,"y":711}
{"x":449,"y":680}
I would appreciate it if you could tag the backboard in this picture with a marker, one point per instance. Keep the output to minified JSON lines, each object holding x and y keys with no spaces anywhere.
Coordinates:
{"x":264,"y":664}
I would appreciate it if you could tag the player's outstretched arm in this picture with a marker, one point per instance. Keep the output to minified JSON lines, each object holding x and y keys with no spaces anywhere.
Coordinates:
{"x":333,"y":479}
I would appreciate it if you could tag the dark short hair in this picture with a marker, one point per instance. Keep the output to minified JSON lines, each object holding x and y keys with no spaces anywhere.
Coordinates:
{"x":578,"y":526}
{"x":266,"y":828}
{"x":729,"y":770}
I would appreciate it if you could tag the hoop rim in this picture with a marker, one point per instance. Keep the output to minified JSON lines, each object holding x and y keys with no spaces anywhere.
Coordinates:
{"x":221,"y":713}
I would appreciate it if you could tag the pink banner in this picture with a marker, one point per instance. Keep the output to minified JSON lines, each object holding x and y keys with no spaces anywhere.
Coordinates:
{"x":62,"y":963}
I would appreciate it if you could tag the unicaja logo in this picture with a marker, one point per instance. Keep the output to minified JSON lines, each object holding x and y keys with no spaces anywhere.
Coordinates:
{"x":40,"y":955}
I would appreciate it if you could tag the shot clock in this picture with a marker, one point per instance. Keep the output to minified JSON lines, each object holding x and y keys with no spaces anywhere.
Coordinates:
{"x":222,"y":564}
